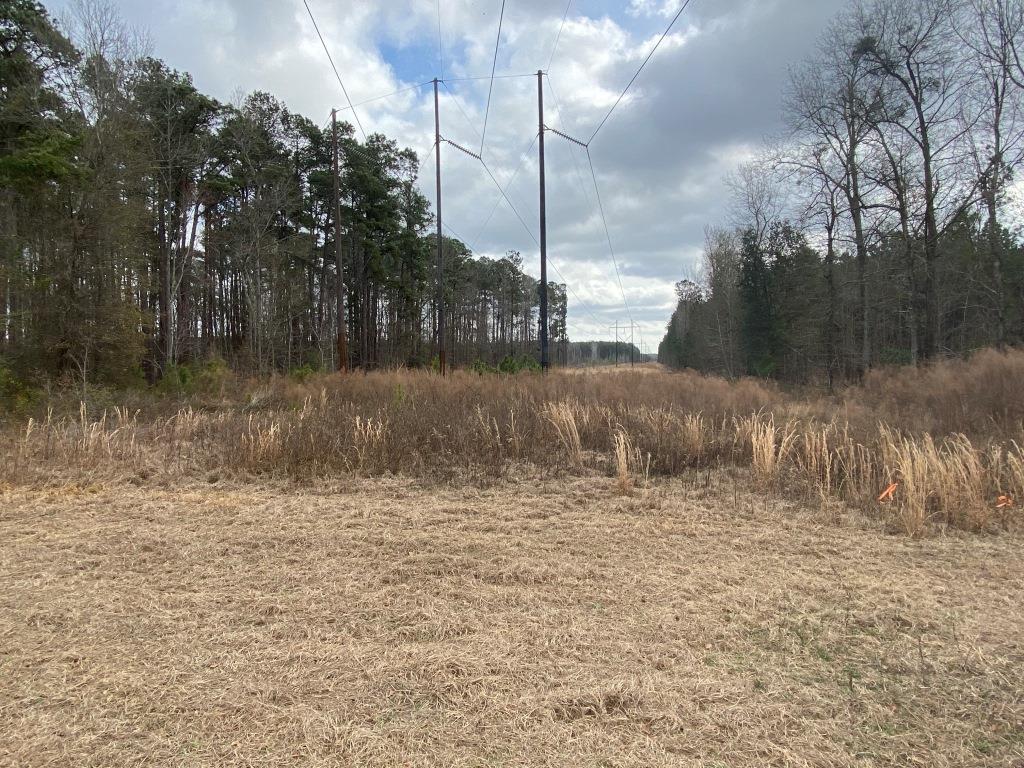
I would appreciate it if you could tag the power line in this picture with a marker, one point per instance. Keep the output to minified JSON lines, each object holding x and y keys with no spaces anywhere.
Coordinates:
{"x":568,"y":286}
{"x":454,"y":234}
{"x":529,"y":231}
{"x":559,"y":35}
{"x":572,"y":150}
{"x":386,"y":95}
{"x":494,"y":65}
{"x":608,"y":235}
{"x":504,"y":194}
{"x":511,"y":205}
{"x":465,"y":115}
{"x":440,"y":42}
{"x":497,"y":202}
{"x":335,"y":68}
{"x":600,"y":206}
{"x":635,"y":76}
{"x":487,"y":77}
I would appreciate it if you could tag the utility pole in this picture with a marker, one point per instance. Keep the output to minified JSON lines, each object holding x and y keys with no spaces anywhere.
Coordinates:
{"x":616,"y":343}
{"x":342,"y":331}
{"x":545,"y":363}
{"x":442,"y":352}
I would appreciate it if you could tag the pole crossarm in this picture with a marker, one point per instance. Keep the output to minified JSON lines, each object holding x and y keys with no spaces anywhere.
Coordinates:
{"x":565,"y":136}
{"x":462,"y":149}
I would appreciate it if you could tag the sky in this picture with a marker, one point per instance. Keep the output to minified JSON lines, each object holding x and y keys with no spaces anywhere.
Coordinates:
{"x":703,"y":104}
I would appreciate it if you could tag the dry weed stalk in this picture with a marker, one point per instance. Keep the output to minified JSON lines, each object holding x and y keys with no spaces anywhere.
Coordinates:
{"x":623,"y":475}
{"x":629,"y":464}
{"x":370,"y":438}
{"x":817,"y":461}
{"x":770,"y":448}
{"x":695,"y":437}
{"x":563,"y":416}
{"x":838,"y":451}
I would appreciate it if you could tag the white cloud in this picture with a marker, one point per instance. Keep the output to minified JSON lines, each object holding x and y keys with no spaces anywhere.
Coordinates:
{"x":710,"y":93}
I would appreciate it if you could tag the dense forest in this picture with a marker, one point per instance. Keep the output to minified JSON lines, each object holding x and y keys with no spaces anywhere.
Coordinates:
{"x":146,"y":227}
{"x":883,"y":226}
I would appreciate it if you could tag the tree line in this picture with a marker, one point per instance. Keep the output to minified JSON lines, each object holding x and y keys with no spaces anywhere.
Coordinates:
{"x":146,"y":226}
{"x":883,"y":226}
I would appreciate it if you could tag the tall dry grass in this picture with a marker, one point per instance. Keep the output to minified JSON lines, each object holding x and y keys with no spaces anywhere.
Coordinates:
{"x":949,"y":436}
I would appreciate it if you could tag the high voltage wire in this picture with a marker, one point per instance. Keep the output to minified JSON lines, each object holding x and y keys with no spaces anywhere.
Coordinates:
{"x":444,"y":81}
{"x":465,"y":115}
{"x":644,"y":64}
{"x":454,"y":234}
{"x":386,"y":96}
{"x":497,"y":202}
{"x":529,"y":231}
{"x":559,"y":35}
{"x":488,"y":77}
{"x":608,"y":235}
{"x":494,"y":65}
{"x":510,"y":204}
{"x":492,"y":77}
{"x":568,"y":285}
{"x":503,"y":194}
{"x":572,"y":150}
{"x":600,"y":207}
{"x":335,"y":68}
{"x":440,"y":42}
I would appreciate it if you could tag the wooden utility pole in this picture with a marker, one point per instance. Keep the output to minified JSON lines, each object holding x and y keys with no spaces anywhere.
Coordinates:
{"x":545,"y":363}
{"x":342,"y":330}
{"x":442,"y":352}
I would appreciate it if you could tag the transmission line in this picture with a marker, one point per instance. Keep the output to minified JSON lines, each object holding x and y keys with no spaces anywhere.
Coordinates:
{"x":607,"y":234}
{"x":524,"y":224}
{"x":487,"y":77}
{"x":465,"y":115}
{"x":455,"y":234}
{"x":440,"y":42}
{"x":559,"y":35}
{"x":335,"y":68}
{"x":599,"y":206}
{"x":508,"y":185}
{"x":494,"y":65}
{"x":529,"y":231}
{"x":641,"y":69}
{"x":572,"y":152}
{"x":385,"y":96}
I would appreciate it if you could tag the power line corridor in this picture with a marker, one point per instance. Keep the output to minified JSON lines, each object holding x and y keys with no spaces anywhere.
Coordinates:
{"x":537,"y":140}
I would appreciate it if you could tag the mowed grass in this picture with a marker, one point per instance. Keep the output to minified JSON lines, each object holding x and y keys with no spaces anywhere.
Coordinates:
{"x":543,"y":621}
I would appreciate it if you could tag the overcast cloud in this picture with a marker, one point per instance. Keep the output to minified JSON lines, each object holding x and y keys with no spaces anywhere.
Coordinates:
{"x":702,"y":105}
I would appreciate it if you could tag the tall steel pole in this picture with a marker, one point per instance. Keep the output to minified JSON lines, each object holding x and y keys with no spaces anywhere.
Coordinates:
{"x":545,"y":363}
{"x":342,"y":330}
{"x":442,"y":352}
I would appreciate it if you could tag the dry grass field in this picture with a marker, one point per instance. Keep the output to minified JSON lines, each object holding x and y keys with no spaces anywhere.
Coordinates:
{"x":640,"y":569}
{"x":550,"y":622}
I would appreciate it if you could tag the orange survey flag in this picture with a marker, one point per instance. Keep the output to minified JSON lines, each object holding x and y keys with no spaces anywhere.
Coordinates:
{"x":887,"y":494}
{"x":1004,"y":502}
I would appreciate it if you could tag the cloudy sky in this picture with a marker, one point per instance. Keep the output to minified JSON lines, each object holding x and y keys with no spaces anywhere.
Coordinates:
{"x":702,"y":105}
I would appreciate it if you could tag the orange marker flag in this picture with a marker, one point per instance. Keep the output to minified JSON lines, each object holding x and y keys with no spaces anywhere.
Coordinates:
{"x":1004,"y":502}
{"x":887,"y":494}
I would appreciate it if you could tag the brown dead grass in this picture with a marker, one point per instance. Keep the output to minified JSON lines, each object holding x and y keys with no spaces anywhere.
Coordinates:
{"x":957,"y":467}
{"x":543,"y":622}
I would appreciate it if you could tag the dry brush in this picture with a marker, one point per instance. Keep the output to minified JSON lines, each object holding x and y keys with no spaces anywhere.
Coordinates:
{"x":945,"y":454}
